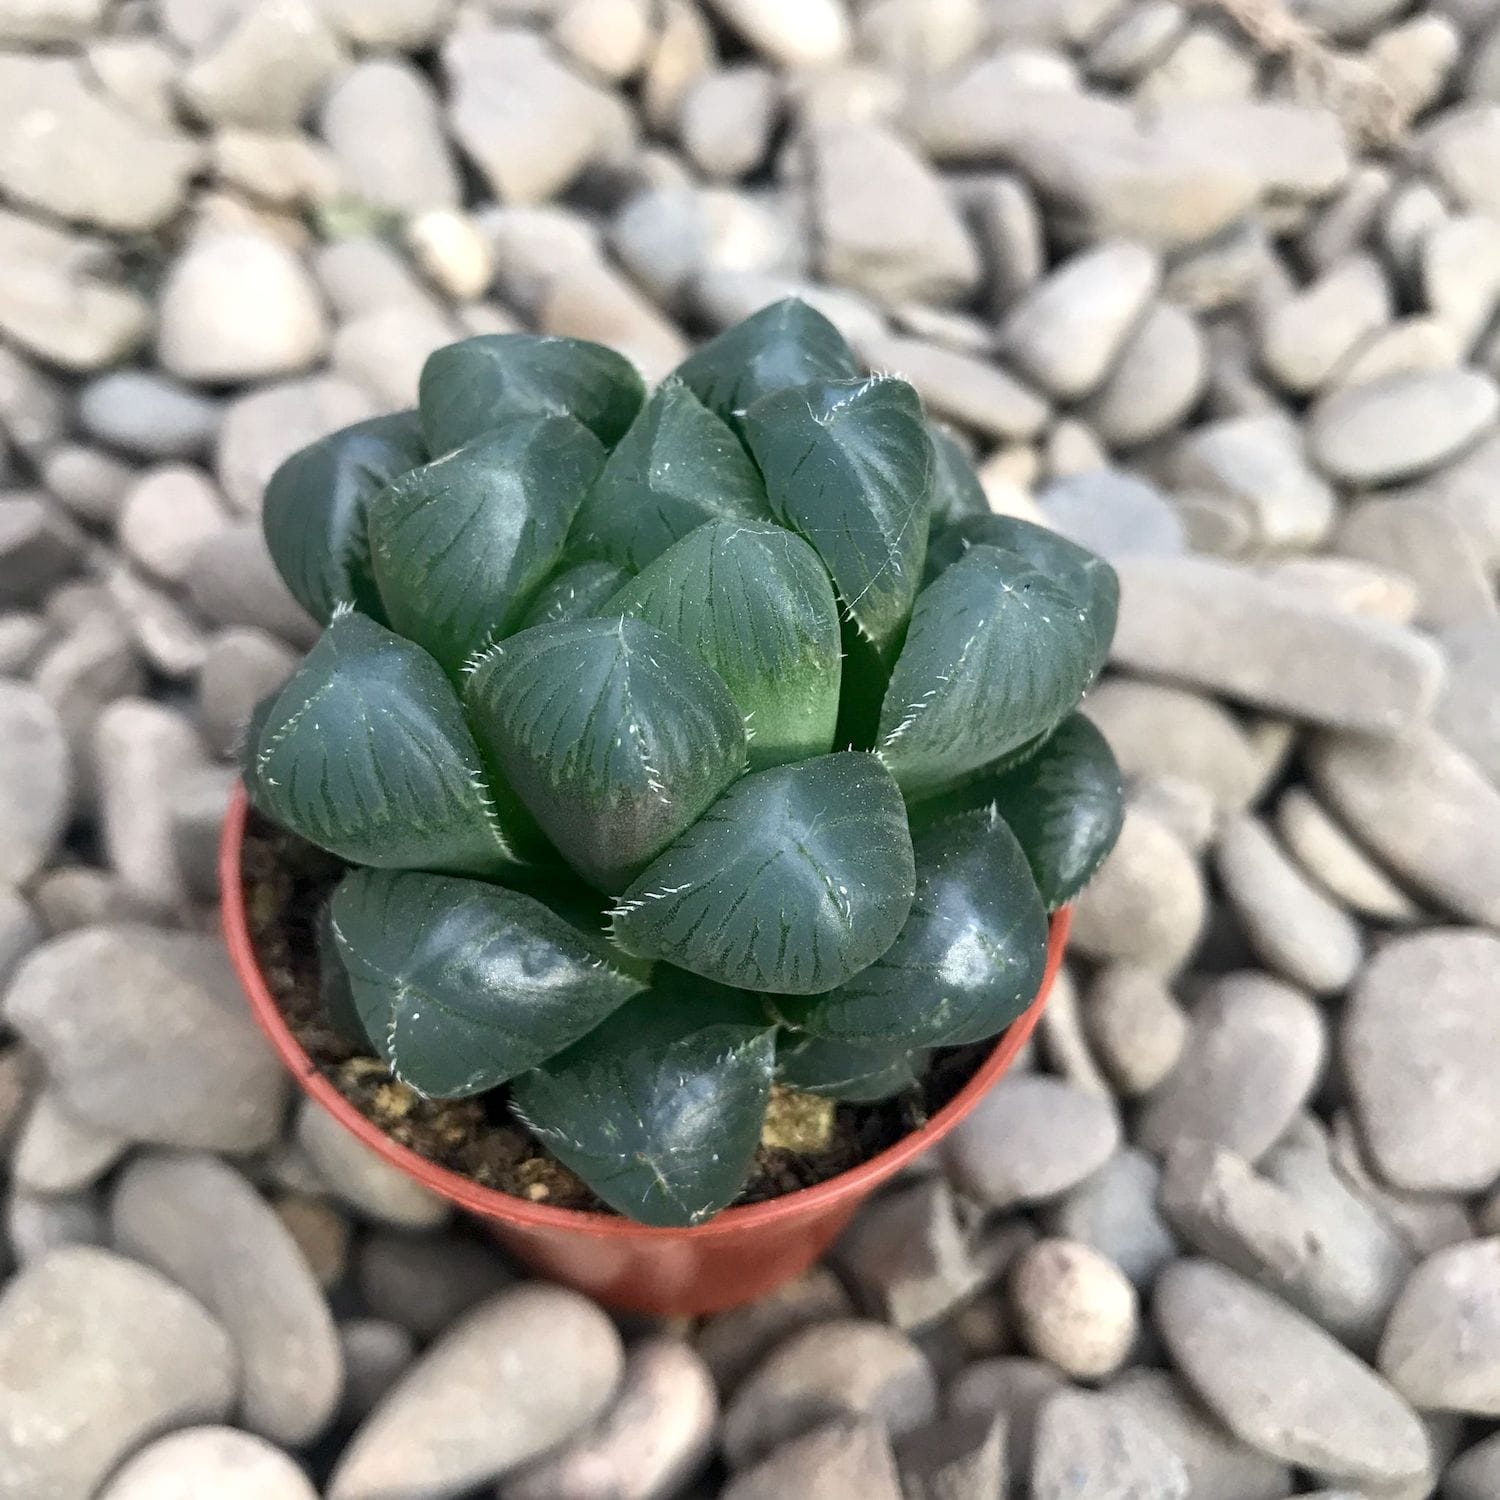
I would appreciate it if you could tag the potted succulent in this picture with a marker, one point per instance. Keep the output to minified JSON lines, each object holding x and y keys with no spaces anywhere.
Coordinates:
{"x":664,"y":829}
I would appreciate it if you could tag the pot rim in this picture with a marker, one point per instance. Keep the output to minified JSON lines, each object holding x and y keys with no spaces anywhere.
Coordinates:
{"x":492,"y":1203}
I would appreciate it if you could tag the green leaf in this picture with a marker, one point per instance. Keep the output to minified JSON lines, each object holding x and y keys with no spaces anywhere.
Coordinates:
{"x":1090,"y":580}
{"x":782,"y":345}
{"x":660,"y":1109}
{"x":334,"y":989}
{"x":796,"y":879}
{"x":479,"y":385}
{"x":577,"y":593}
{"x":315,"y":508}
{"x":969,"y":960}
{"x":956,"y":490}
{"x":1064,"y":803}
{"x":462,"y":985}
{"x":676,"y":468}
{"x":996,"y":654}
{"x":845,"y":1070}
{"x":461,"y":544}
{"x":849,"y":465}
{"x":613,"y":735}
{"x":753,"y":601}
{"x":365,"y":752}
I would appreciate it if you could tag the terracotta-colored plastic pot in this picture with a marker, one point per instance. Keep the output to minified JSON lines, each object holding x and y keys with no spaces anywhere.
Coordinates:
{"x":741,"y":1254}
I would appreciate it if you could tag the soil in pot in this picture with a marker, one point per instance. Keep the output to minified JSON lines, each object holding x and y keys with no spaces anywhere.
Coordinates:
{"x":287,"y":883}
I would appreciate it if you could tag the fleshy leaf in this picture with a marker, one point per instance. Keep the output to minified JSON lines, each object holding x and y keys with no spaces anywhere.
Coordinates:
{"x":969,"y":960}
{"x":659,"y":1110}
{"x":753,"y":601}
{"x":462,"y":985}
{"x":334,"y":989}
{"x":577,"y":593}
{"x":849,"y":465}
{"x":460,"y":545}
{"x":844,"y":1070}
{"x":365,"y":752}
{"x":996,"y":654}
{"x":676,"y":468}
{"x":1064,"y":803}
{"x":614,"y":736}
{"x":792,"y":882}
{"x":956,"y":490}
{"x":1091,"y":581}
{"x":479,"y":385}
{"x":316,"y":504}
{"x":785,"y":344}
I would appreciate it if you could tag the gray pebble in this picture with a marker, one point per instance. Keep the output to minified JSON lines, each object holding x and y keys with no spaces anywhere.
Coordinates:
{"x":1417,"y":1038}
{"x":1074,"y":1308}
{"x":1136,"y":1025}
{"x":376,"y":1355}
{"x":215,"y":1461}
{"x":1155,"y":382}
{"x":519,"y":1375}
{"x":35,"y":781}
{"x":652,"y":1441}
{"x":1112,"y":514}
{"x":726,"y":118}
{"x":1469,"y":710}
{"x":147,"y":414}
{"x":89,"y":481}
{"x":39,"y":547}
{"x":837,"y":1370}
{"x":56,"y":1152}
{"x":96,"y":1355}
{"x":1031,"y":1138}
{"x":733,"y":1343}
{"x":1255,"y":1053}
{"x":1088,"y":1448}
{"x":1331,"y":857}
{"x":1305,"y":339}
{"x":96,"y":1003}
{"x":1475,"y":1475}
{"x":240,"y":668}
{"x":424,"y":1282}
{"x":831,"y":1463}
{"x":1114,"y":1211}
{"x":232,"y":581}
{"x":199,"y":1222}
{"x":365,"y":1181}
{"x":1015,"y":1389}
{"x":36,"y":1224}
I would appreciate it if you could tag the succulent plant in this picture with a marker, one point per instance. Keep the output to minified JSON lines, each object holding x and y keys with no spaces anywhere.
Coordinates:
{"x":682,"y":744}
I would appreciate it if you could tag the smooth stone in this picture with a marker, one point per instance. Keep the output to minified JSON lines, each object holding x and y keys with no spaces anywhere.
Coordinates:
{"x":1147,"y":904}
{"x":376,"y":1354}
{"x":55,"y":1152}
{"x":72,"y":152}
{"x":366,"y":1182}
{"x":652,"y":1441}
{"x":165,"y":515}
{"x":383,"y":352}
{"x":36,"y":1224}
{"x":1156,"y":380}
{"x":1223,"y":628}
{"x":1423,"y":808}
{"x":96,"y":1004}
{"x":1331,"y":857}
{"x":1258,"y":463}
{"x":1137,"y":1026}
{"x":530,"y":125}
{"x":1068,"y":330}
{"x":203,"y":1461}
{"x":320,"y":1230}
{"x":35,"y":782}
{"x":519,"y":1375}
{"x":1014,"y":1389}
{"x":240,"y":668}
{"x":1410,"y":346}
{"x":1468,"y":712}
{"x":39,"y":547}
{"x":1031,"y":1138}
{"x":90,"y":482}
{"x":239,"y":306}
{"x":831,"y":1463}
{"x":383,"y":122}
{"x":147,"y":414}
{"x":1460,"y":279}
{"x":388,"y":25}
{"x":199,"y":1222}
{"x":1217,"y":1465}
{"x":726,"y":118}
{"x":1400,"y":427}
{"x":1461,"y":149}
{"x":956,"y":1456}
{"x":1074,"y":1308}
{"x":1280,"y":1383}
{"x":1185,"y":807}
{"x":840,"y":1370}
{"x":1475,"y":1474}
{"x":233,"y":582}
{"x":1090,"y":1449}
{"x":265,"y":69}
{"x":1158,"y":730}
{"x":792,"y":34}
{"x":909,"y":1256}
{"x":1295,"y":930}
{"x":733,"y":1343}
{"x":424,"y":1282}
{"x":1417,"y":1039}
{"x":611,"y":37}
{"x":885,"y":224}
{"x":1112,"y":514}
{"x":98,"y":1354}
{"x":1063,"y":1042}
{"x":1304,"y":339}
{"x":1254,"y":1055}
{"x":1114,"y":1211}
